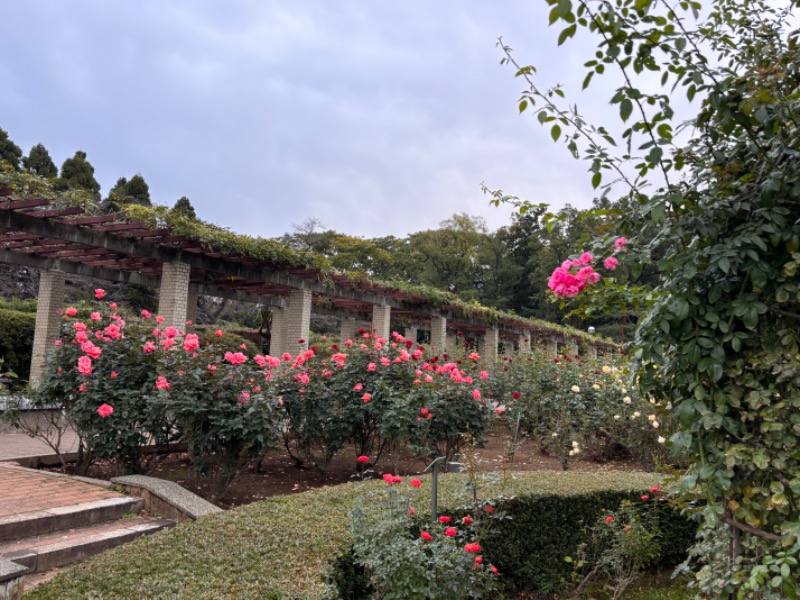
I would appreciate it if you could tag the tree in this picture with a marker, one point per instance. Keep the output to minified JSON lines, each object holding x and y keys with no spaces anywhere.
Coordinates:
{"x":78,"y":173}
{"x":184,"y":206}
{"x":718,"y":341}
{"x":39,"y":162}
{"x":9,"y":151}
{"x":133,"y":191}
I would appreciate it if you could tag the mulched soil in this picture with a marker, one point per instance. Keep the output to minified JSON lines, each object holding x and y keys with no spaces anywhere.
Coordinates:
{"x":277,"y":474}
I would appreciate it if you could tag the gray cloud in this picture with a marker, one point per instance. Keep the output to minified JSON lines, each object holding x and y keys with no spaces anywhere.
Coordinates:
{"x":376,"y":118}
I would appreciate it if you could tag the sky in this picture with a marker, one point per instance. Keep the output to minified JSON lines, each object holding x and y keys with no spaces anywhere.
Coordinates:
{"x":375,"y":118}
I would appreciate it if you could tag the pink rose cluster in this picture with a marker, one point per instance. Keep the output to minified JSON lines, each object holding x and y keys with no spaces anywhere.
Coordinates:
{"x":572,"y":277}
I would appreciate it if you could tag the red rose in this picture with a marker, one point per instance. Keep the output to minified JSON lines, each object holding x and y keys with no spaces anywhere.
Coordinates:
{"x":363,"y":459}
{"x":450,"y":531}
{"x":426,"y":536}
{"x":416,"y":482}
{"x":444,"y":519}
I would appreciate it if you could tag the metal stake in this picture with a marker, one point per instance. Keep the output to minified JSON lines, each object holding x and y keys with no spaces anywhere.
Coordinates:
{"x":434,"y":486}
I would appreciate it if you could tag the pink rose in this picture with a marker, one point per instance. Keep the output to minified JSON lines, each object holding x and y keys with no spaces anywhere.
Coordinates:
{"x":105,"y":410}
{"x":99,"y":294}
{"x":610,"y":263}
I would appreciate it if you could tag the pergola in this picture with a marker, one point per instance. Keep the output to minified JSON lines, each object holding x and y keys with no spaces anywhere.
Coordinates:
{"x":35,"y":232}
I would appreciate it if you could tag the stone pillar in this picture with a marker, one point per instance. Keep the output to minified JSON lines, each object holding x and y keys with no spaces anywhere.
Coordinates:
{"x":508,"y":348}
{"x":454,"y":343}
{"x":191,"y":310}
{"x":572,"y":348}
{"x":438,"y":334}
{"x":488,"y":344}
{"x":48,"y":321}
{"x":347,"y":329}
{"x":412,"y":333}
{"x":277,"y":332}
{"x":553,"y":343}
{"x":592,"y":351}
{"x":525,"y":342}
{"x":173,"y":296}
{"x":298,"y":321}
{"x":381,"y":321}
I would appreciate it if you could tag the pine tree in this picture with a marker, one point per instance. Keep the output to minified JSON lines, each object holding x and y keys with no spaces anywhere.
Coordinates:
{"x":9,"y":151}
{"x":184,"y":206}
{"x":78,"y":173}
{"x":39,"y":162}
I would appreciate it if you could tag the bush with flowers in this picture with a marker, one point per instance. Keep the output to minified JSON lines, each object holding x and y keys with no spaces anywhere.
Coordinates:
{"x":574,"y":406}
{"x":407,"y":558}
{"x":130,"y":384}
{"x":620,"y":545}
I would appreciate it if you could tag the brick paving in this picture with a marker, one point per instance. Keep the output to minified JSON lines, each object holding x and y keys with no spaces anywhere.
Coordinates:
{"x":22,"y":491}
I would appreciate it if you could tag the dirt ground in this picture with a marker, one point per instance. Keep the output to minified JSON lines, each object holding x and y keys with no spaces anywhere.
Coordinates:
{"x":277,"y":474}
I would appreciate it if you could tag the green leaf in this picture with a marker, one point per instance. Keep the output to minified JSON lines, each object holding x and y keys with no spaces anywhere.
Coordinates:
{"x":523,"y":105}
{"x":567,"y":33}
{"x":625,"y":109}
{"x":555,"y":132}
{"x":596,"y":179}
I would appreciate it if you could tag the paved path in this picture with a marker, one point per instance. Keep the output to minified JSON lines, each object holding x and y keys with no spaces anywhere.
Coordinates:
{"x":17,"y":447}
{"x":23,"y":491}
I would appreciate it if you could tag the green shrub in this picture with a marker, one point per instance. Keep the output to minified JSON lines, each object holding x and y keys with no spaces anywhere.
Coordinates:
{"x":285,"y":547}
{"x":16,"y":341}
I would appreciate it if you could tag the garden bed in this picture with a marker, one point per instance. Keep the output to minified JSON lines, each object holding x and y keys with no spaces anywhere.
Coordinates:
{"x":282,"y":547}
{"x":277,"y":474}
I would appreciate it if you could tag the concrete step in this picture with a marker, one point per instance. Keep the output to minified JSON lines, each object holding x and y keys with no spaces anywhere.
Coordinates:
{"x":43,"y":522}
{"x":45,"y":552}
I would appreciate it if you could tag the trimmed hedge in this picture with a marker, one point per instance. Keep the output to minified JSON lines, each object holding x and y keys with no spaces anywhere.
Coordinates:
{"x":285,"y":547}
{"x":16,"y":341}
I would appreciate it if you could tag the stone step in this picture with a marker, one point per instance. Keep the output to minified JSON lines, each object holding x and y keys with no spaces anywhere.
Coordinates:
{"x":42,"y":522}
{"x":46,"y":552}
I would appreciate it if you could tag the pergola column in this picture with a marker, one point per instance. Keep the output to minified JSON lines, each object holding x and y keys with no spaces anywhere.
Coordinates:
{"x":572,"y":348}
{"x":347,"y":329}
{"x":298,"y":321}
{"x":525,"y":342}
{"x":593,"y":351}
{"x":452,"y":342}
{"x":173,"y":295}
{"x":438,"y":334}
{"x":412,"y":333}
{"x":277,"y":331}
{"x":381,"y":320}
{"x":553,"y":343}
{"x":489,"y":341}
{"x":191,"y":310}
{"x":48,"y":321}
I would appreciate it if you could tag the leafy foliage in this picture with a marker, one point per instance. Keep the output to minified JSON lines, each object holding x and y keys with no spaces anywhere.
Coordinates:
{"x":718,"y":338}
{"x":16,"y":341}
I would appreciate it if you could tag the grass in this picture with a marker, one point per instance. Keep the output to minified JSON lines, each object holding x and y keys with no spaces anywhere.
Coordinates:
{"x":280,"y":547}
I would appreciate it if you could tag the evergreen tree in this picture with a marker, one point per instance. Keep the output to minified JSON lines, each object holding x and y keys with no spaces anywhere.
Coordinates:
{"x":39,"y":162}
{"x":9,"y":151}
{"x":78,"y":173}
{"x":183,"y":205}
{"x":125,"y":191}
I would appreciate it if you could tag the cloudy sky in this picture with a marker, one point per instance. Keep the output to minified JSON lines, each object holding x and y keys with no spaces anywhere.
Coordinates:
{"x":376,"y":118}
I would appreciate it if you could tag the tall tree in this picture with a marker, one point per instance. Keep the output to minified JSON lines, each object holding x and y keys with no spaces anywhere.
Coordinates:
{"x":39,"y":162}
{"x":9,"y":151}
{"x":184,"y":205}
{"x":78,"y":173}
{"x":127,"y":191}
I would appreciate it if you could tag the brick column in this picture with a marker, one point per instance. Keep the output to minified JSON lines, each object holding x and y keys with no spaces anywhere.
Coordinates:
{"x":488,"y":345}
{"x":572,"y":348}
{"x":524,"y":342}
{"x":191,"y":310}
{"x":48,"y":321}
{"x":411,"y":333}
{"x":347,"y":329}
{"x":508,"y":348}
{"x":381,"y":320}
{"x":173,"y":296}
{"x":277,"y":332}
{"x":298,"y":321}
{"x":438,"y":334}
{"x":453,"y":343}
